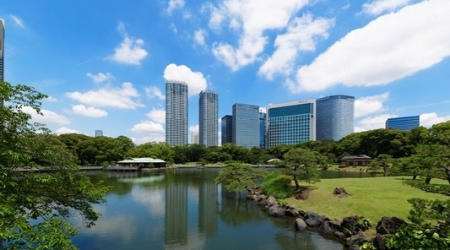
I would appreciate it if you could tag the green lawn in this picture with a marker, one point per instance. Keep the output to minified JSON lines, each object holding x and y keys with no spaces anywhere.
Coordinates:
{"x":372,"y":198}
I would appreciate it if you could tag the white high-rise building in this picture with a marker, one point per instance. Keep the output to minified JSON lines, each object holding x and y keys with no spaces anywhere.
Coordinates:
{"x":208,"y":118}
{"x":176,"y":113}
{"x":2,"y":53}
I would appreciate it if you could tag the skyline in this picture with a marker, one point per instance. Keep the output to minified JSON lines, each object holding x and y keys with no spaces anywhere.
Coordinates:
{"x":107,"y":70}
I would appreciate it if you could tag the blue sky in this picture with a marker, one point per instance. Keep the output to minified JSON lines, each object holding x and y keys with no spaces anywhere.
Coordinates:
{"x":104,"y":63}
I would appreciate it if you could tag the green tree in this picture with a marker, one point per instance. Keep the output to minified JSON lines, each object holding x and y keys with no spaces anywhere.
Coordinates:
{"x":382,"y":162}
{"x":433,"y":160}
{"x":303,"y":164}
{"x":35,"y":208}
{"x":237,"y":177}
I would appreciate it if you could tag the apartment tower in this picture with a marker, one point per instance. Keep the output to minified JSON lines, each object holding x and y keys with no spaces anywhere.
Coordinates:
{"x":176,"y":113}
{"x":208,"y":118}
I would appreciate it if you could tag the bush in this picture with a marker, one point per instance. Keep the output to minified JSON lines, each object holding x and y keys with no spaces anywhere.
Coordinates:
{"x":431,"y":188}
{"x":278,"y":185}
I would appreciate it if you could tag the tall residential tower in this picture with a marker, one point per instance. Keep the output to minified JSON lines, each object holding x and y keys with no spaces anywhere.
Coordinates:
{"x":208,"y":118}
{"x":335,"y":116}
{"x":2,"y":53}
{"x":176,"y":113}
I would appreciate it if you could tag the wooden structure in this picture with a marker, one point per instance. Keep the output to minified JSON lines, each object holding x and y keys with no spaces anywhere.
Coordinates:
{"x":355,"y":160}
{"x":139,"y":163}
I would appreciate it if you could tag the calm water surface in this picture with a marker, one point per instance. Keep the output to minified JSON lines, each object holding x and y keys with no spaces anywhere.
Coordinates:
{"x":184,"y":209}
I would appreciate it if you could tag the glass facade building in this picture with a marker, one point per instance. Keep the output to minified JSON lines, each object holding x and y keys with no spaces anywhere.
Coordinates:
{"x":262,"y":129}
{"x":291,"y":123}
{"x":403,"y":123}
{"x":2,"y":53}
{"x":246,"y":125}
{"x":335,"y":115}
{"x":176,"y":113}
{"x":208,"y":118}
{"x":227,"y":129}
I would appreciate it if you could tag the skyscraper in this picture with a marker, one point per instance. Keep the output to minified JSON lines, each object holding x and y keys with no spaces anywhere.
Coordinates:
{"x":262,"y":128}
{"x":208,"y":118}
{"x":2,"y":53}
{"x":403,"y":123}
{"x":176,"y":113}
{"x":335,"y":116}
{"x":227,"y":129}
{"x":246,"y":125}
{"x":291,"y":123}
{"x":98,"y":133}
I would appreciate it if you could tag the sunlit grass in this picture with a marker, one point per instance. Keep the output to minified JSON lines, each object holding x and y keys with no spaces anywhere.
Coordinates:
{"x":372,"y":198}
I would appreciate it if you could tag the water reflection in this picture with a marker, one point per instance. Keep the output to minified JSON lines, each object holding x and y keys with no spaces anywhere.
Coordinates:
{"x":185,"y":209}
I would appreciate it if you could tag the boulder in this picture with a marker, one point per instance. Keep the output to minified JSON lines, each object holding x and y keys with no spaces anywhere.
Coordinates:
{"x":300,"y":224}
{"x":251,"y":197}
{"x":271,"y":201}
{"x":340,"y":235}
{"x":350,"y":225}
{"x":340,"y":192}
{"x":356,"y":240}
{"x":262,"y":197}
{"x":291,"y":212}
{"x":276,"y":211}
{"x":329,"y":226}
{"x":380,"y":242}
{"x":302,"y":195}
{"x":389,"y":225}
{"x":313,"y":219}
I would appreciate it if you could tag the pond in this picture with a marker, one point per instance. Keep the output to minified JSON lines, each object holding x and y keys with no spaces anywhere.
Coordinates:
{"x":185,"y":209}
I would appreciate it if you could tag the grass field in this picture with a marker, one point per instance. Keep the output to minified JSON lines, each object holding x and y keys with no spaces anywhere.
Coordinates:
{"x":372,"y":198}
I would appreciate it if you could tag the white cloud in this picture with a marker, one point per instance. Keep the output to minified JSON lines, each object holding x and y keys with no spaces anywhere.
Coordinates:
{"x":199,"y":37}
{"x":252,"y":18}
{"x":389,"y":48}
{"x":109,"y":97}
{"x":375,"y":122}
{"x":154,"y":92}
{"x":379,"y":6}
{"x":429,"y":119}
{"x":47,"y":117}
{"x":88,"y":111}
{"x":175,"y":4}
{"x":195,"y":80}
{"x":300,"y":36}
{"x":64,"y":130}
{"x":100,"y":77}
{"x":142,"y":140}
{"x":370,"y":104}
{"x":130,"y":51}
{"x":147,"y":127}
{"x":17,"y":21}
{"x":194,"y":129}
{"x":157,"y":115}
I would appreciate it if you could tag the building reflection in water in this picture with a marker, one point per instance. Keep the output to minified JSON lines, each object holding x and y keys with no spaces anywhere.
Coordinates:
{"x":207,"y":207}
{"x":176,"y":199}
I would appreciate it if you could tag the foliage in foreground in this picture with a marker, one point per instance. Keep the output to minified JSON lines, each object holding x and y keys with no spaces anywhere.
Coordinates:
{"x":278,"y":185}
{"x":237,"y":177}
{"x":422,"y":234}
{"x":35,"y":208}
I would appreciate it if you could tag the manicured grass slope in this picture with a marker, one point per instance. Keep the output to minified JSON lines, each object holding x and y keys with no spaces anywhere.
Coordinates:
{"x":372,"y":198}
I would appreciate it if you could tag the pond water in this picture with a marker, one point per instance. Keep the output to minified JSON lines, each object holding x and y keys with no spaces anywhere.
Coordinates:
{"x":184,"y":209}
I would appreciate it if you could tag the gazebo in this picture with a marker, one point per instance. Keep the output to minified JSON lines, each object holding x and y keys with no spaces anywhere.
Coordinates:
{"x":142,"y":163}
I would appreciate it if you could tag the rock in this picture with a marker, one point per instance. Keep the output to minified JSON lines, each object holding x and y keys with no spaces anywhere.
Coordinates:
{"x":291,"y":212}
{"x":380,"y":242}
{"x":271,"y":201}
{"x":313,"y":219}
{"x":251,"y":197}
{"x":276,"y":211}
{"x":340,"y":192}
{"x":302,"y":195}
{"x":356,"y":240}
{"x":329,"y":226}
{"x":340,"y":235}
{"x":389,"y":225}
{"x":262,"y":202}
{"x":350,"y":225}
{"x":262,"y":197}
{"x":300,"y":224}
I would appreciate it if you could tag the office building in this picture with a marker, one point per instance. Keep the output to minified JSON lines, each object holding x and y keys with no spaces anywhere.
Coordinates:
{"x":335,"y":115}
{"x":176,"y":113}
{"x":262,"y":128}
{"x":403,"y":123}
{"x":208,"y":118}
{"x":98,"y":133}
{"x":246,"y":125}
{"x":2,"y":53}
{"x":227,"y":129}
{"x":291,"y":123}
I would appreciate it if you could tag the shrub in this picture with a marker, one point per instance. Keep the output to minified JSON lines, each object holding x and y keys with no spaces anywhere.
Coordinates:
{"x":278,"y":185}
